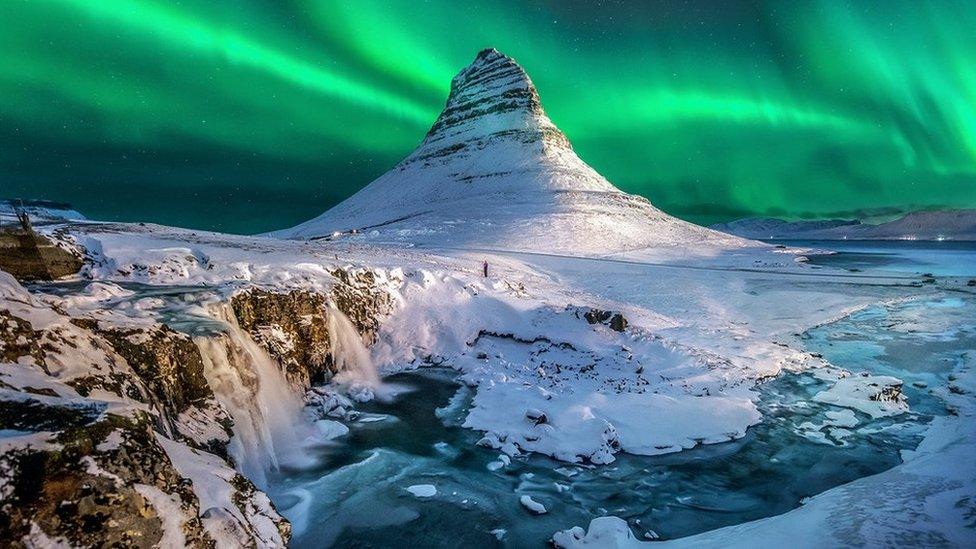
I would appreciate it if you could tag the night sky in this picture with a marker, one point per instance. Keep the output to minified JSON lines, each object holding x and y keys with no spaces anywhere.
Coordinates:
{"x":245,"y":116}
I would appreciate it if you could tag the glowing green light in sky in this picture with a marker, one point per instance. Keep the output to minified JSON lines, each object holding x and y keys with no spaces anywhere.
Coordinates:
{"x":276,"y":110}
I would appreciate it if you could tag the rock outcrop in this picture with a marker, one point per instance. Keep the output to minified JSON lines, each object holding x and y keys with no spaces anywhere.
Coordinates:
{"x":29,"y":256}
{"x":293,"y":326}
{"x":616,"y":321}
{"x":119,"y":435}
{"x":101,"y":414}
{"x":102,"y":482}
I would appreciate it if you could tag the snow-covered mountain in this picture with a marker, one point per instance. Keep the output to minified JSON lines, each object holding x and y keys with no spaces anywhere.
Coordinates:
{"x":921,"y":225}
{"x":494,"y":171}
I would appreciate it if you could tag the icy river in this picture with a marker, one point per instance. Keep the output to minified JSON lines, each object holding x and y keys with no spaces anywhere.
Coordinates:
{"x":407,"y":474}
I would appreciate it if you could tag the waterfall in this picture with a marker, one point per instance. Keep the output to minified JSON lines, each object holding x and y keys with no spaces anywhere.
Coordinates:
{"x":354,"y":366}
{"x":269,"y":427}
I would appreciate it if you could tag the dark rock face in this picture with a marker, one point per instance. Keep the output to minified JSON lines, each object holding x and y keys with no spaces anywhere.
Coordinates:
{"x":17,"y":339}
{"x":359,"y":298}
{"x":167,"y":362}
{"x":29,"y":256}
{"x":597,"y":316}
{"x":32,"y":414}
{"x":73,"y":488}
{"x":293,"y":326}
{"x":617,"y":321}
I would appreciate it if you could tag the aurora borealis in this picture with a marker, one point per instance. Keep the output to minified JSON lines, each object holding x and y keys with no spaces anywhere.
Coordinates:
{"x":247,"y":116}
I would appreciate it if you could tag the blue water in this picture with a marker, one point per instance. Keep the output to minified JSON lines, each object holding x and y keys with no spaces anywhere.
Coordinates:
{"x":357,"y":497}
{"x":947,"y":258}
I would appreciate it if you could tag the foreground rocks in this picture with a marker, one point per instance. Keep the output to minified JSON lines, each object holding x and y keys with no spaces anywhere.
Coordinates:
{"x":105,"y":482}
{"x":113,"y":433}
{"x":616,"y":321}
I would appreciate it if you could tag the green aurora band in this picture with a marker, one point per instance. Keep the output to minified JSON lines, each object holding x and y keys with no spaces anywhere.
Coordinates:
{"x":246,"y":116}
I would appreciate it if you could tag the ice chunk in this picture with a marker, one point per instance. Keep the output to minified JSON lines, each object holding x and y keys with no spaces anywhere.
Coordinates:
{"x":330,"y":429}
{"x":532,"y":505}
{"x":423,"y":490}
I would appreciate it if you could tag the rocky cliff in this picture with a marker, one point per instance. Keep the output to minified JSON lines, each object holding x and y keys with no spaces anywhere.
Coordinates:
{"x":29,"y":256}
{"x":293,"y":326}
{"x":115,"y":433}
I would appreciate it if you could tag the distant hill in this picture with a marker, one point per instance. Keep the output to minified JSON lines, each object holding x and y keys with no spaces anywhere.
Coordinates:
{"x":921,"y":225}
{"x":38,"y":210}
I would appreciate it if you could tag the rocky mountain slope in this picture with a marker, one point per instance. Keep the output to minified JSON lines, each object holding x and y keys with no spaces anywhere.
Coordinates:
{"x":495,"y":172}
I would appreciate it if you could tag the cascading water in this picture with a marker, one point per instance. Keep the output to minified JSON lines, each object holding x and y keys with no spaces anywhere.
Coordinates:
{"x":353,"y":363}
{"x":269,"y":427}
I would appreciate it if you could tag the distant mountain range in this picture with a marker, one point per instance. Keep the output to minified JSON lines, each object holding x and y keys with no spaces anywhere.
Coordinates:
{"x":921,"y":225}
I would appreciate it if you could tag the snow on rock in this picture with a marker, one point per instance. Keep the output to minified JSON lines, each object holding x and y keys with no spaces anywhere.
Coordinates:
{"x":330,"y":429}
{"x":532,"y":505}
{"x":604,"y":532}
{"x":233,"y":512}
{"x":168,"y":510}
{"x":595,"y":425}
{"x":877,"y":396}
{"x":422,"y":490}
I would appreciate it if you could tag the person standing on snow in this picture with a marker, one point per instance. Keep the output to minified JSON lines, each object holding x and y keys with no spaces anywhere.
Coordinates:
{"x":484,"y":267}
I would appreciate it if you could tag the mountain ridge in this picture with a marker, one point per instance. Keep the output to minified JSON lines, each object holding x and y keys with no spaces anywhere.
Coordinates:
{"x":949,"y":224}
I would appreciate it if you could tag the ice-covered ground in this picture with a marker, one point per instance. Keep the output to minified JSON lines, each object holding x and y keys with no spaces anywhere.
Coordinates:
{"x":702,"y":336}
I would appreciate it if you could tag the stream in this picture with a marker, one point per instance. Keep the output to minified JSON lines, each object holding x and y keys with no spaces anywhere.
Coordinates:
{"x":358,"y":495}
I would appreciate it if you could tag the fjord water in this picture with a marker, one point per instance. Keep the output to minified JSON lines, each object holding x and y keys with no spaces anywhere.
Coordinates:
{"x":945,"y":258}
{"x":358,"y":497}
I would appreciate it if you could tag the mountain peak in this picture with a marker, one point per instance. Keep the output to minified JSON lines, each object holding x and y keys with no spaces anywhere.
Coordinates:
{"x":494,"y":171}
{"x":495,"y":94}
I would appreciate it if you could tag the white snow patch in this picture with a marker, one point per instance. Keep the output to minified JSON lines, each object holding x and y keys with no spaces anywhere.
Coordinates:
{"x":532,"y":505}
